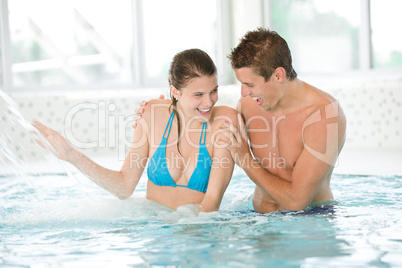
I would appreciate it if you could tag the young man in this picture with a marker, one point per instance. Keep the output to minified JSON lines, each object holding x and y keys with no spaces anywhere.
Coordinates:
{"x":295,"y":130}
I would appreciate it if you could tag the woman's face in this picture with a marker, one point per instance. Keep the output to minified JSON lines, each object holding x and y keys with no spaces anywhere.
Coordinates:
{"x":198,"y":97}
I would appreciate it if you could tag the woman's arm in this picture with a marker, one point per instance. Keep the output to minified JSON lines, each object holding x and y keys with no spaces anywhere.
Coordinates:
{"x":222,"y":165}
{"x":219,"y":178}
{"x":120,"y":183}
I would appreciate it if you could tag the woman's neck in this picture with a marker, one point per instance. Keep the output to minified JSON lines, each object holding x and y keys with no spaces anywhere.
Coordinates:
{"x":189,"y":121}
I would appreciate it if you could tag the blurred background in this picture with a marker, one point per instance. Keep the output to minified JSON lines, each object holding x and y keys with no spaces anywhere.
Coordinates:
{"x":82,"y":66}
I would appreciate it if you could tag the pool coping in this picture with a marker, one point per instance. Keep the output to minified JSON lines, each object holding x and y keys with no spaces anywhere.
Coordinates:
{"x":349,"y":162}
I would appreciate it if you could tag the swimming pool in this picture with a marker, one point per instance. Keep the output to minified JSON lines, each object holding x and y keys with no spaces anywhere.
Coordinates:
{"x":61,"y":220}
{"x":64,"y":220}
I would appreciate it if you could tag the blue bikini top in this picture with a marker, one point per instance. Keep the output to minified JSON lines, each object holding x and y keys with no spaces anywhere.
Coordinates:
{"x":158,"y":171}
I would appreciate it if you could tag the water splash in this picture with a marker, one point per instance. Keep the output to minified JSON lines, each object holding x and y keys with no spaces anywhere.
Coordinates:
{"x":11,"y":120}
{"x":16,"y":161}
{"x":22,"y":162}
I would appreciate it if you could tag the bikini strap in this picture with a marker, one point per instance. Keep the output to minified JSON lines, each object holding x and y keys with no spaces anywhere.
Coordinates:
{"x":203,"y":131}
{"x":169,"y":124}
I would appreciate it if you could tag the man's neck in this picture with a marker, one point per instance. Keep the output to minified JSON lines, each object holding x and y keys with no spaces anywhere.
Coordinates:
{"x":293,"y":96}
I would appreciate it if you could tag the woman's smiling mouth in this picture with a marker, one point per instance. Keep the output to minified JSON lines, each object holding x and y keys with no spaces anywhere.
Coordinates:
{"x":204,"y":111}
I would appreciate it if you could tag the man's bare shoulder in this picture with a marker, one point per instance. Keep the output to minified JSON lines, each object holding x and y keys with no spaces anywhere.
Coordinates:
{"x":317,"y":96}
{"x":325,"y":110}
{"x":328,"y":104}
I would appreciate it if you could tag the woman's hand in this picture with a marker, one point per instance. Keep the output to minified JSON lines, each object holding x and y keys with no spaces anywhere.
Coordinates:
{"x":236,"y":141}
{"x":56,"y":144}
{"x":140,"y":111}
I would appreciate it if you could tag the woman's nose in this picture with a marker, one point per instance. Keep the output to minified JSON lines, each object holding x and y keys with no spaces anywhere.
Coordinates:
{"x":208,"y":102}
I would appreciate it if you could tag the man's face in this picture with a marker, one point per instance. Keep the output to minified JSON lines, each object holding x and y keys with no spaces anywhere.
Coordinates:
{"x":265,"y":93}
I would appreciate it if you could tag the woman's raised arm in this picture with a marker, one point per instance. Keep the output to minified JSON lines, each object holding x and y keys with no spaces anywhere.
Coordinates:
{"x":120,"y":183}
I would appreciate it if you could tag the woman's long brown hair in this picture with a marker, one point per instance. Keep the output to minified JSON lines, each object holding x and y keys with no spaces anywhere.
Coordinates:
{"x":185,"y":66}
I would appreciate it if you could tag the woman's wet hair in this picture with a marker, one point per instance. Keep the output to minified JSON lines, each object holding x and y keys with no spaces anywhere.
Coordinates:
{"x":186,"y":65}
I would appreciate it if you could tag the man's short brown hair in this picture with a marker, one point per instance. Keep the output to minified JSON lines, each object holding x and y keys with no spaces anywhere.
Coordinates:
{"x":264,"y":51}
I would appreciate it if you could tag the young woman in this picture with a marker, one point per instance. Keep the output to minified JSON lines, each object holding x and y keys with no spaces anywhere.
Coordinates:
{"x":176,"y":138}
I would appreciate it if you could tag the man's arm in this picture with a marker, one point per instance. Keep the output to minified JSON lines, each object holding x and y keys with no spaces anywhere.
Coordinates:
{"x":307,"y":177}
{"x":322,"y":146}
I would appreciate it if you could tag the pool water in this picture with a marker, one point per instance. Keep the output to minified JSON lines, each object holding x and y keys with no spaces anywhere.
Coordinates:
{"x":66,"y":221}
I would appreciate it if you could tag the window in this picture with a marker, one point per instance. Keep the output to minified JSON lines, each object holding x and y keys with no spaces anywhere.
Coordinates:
{"x":1,"y":65}
{"x":69,"y":42}
{"x":130,"y":43}
{"x":338,"y":36}
{"x":75,"y":43}
{"x":386,"y":41}
{"x":188,"y":24}
{"x":322,"y":35}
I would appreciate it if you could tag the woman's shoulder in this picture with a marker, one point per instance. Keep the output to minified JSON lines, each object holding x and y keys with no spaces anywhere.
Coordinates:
{"x":159,"y":102}
{"x":155,"y":111}
{"x":156,"y":106}
{"x":225,"y":110}
{"x":225,"y":113}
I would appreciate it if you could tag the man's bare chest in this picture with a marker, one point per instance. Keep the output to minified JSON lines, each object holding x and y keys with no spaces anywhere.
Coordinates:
{"x":276,"y":141}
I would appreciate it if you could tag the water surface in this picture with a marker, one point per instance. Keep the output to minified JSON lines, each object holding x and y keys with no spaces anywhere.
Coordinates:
{"x":59,"y":221}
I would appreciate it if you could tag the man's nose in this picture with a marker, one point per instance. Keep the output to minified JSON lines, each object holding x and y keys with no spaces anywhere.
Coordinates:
{"x":244,"y":91}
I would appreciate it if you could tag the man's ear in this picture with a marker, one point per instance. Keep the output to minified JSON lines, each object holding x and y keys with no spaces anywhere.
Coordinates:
{"x":280,"y":74}
{"x":175,"y":92}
